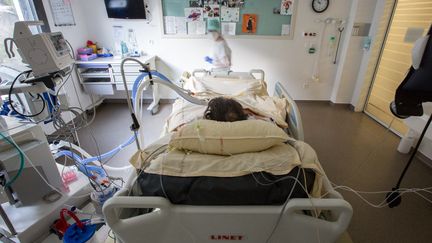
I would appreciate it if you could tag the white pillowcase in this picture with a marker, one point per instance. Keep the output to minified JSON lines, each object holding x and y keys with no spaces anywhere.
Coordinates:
{"x":228,"y":138}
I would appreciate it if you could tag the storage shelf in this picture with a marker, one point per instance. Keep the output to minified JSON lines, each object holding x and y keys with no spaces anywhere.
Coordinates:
{"x":96,"y":71}
{"x":102,"y":76}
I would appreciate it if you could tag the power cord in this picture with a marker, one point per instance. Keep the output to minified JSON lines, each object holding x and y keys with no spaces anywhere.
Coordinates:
{"x":11,"y":101}
{"x":22,"y":162}
{"x":283,"y":207}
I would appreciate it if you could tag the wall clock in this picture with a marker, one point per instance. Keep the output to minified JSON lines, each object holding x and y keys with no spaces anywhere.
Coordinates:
{"x":319,"y":6}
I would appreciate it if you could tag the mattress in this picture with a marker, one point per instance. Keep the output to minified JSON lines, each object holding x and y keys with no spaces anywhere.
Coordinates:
{"x":253,"y":189}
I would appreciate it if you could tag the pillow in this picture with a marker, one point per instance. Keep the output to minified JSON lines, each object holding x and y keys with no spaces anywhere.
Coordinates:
{"x":228,"y":138}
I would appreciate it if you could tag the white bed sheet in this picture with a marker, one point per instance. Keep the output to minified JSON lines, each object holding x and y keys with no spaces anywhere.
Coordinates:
{"x":251,"y":93}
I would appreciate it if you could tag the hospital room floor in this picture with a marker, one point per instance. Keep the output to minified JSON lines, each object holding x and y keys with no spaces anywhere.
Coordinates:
{"x":354,"y":150}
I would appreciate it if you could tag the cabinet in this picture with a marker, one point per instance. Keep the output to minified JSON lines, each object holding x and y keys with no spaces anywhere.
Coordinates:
{"x":102,"y":76}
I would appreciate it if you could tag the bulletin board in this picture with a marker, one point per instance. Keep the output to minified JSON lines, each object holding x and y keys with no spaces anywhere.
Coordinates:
{"x":250,"y":18}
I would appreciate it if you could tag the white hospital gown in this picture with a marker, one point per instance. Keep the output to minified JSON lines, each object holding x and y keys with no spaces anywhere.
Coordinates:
{"x":221,"y":53}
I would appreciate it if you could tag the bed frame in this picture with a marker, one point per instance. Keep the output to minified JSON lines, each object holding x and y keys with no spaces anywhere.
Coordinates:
{"x":170,"y":223}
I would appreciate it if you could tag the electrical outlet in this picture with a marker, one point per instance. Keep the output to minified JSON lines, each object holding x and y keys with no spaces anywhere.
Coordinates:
{"x":305,"y":85}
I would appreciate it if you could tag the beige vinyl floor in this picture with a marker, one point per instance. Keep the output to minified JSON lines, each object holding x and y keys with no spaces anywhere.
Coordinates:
{"x":353,"y":149}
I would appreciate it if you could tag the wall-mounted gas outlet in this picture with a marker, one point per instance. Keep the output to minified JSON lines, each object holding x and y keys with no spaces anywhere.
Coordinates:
{"x":309,"y":34}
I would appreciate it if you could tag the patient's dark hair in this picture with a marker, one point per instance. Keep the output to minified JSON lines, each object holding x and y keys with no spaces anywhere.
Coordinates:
{"x":224,"y":110}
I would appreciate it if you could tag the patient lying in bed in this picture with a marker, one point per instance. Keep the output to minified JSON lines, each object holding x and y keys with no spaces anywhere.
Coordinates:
{"x":224,"y":154}
{"x":229,"y":110}
{"x":224,"y":110}
{"x":228,"y":159}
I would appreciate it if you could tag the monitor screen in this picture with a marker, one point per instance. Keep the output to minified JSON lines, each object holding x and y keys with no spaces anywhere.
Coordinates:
{"x":126,"y":9}
{"x":59,"y":43}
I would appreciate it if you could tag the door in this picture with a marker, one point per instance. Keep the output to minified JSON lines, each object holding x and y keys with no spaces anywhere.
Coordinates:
{"x":411,"y":19}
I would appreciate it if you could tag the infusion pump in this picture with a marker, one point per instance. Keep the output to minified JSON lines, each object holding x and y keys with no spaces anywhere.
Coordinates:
{"x":46,"y":53}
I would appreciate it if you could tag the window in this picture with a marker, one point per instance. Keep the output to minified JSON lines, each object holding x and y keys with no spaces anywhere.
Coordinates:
{"x":12,"y":11}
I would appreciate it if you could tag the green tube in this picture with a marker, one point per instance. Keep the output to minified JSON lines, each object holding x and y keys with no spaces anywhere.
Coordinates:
{"x":21,"y":161}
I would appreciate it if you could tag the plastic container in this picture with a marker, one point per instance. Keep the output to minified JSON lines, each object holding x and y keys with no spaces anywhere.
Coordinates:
{"x":76,"y":234}
{"x":405,"y":145}
{"x":85,"y":50}
{"x":99,"y":198}
{"x":87,"y":57}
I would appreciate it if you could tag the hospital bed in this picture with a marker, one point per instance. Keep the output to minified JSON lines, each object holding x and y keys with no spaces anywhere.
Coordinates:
{"x":156,"y":219}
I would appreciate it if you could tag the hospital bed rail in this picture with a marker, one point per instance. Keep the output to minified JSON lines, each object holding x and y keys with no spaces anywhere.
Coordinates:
{"x":230,"y":74}
{"x":170,"y":223}
{"x":294,"y":120}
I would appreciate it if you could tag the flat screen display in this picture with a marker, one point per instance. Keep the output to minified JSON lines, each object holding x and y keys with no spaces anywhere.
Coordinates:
{"x":126,"y":9}
{"x":59,"y":43}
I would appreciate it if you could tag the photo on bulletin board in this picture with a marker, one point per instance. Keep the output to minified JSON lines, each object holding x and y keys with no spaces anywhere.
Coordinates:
{"x":287,"y":7}
{"x":211,"y":11}
{"x":232,"y":3}
{"x":195,"y":3}
{"x":249,"y":23}
{"x":237,"y":18}
{"x":230,"y":14}
{"x":194,"y":14}
{"x":211,"y":2}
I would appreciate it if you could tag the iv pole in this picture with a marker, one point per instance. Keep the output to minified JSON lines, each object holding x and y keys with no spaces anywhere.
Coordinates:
{"x":394,"y":198}
{"x":414,"y":90}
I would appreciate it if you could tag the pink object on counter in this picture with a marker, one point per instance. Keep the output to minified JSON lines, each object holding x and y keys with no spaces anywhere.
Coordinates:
{"x":69,"y":176}
{"x":84,"y":50}
{"x":87,"y":57}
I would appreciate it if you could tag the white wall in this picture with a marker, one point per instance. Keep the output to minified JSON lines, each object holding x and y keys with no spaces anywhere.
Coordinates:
{"x":346,"y":77}
{"x":286,"y":61}
{"x":77,"y":35}
{"x":360,"y":91}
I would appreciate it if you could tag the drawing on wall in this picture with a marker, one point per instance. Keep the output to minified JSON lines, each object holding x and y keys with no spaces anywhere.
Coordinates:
{"x":170,"y":27}
{"x":194,"y":14}
{"x":249,"y":23}
{"x":286,"y":28}
{"x":196,"y":28}
{"x":228,"y":28}
{"x":230,"y":14}
{"x":211,"y":11}
{"x":62,"y":13}
{"x":287,"y":7}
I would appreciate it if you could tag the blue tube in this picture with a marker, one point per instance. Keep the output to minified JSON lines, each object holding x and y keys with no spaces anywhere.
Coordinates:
{"x":110,"y":153}
{"x":135,"y":86}
{"x":141,"y":77}
{"x":101,"y":157}
{"x":86,"y":169}
{"x":82,"y":163}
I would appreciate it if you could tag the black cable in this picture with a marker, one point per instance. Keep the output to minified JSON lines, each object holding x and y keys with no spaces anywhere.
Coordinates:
{"x":11,"y":101}
{"x":393,"y":198}
{"x":414,"y":152}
